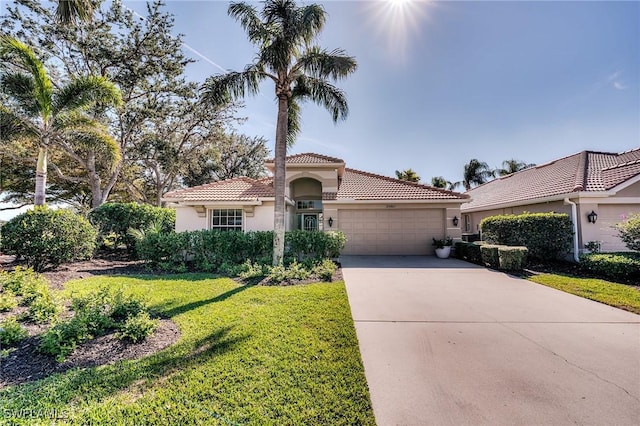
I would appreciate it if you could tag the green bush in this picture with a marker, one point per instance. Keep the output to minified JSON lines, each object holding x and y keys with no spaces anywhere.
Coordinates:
{"x":115,"y":220}
{"x":324,"y":270}
{"x":624,"y":266}
{"x":252,"y":270}
{"x":137,"y":327}
{"x":7,"y":301}
{"x":490,"y":257}
{"x":61,"y":339}
{"x":548,"y":236}
{"x":43,"y":308}
{"x":47,"y":238}
{"x":11,"y":332}
{"x":629,"y":231}
{"x":470,"y":252}
{"x":512,"y":258}
{"x":29,"y":289}
{"x":211,"y":250}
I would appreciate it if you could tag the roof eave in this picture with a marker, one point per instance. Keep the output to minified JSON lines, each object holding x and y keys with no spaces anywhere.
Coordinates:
{"x":395,"y":201}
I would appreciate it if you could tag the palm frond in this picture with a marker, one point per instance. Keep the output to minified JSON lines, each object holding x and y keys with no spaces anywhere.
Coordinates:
{"x":249,"y":19}
{"x":312,"y":20}
{"x":24,"y":56}
{"x":12,"y":126}
{"x":100,"y":142}
{"x":20,"y":88}
{"x":322,"y":64}
{"x":323,"y":94}
{"x":73,"y":120}
{"x":86,"y":91}
{"x":72,"y":11}
{"x":221,"y":89}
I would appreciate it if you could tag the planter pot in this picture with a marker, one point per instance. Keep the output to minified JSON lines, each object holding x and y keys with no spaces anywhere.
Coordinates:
{"x":443,"y":252}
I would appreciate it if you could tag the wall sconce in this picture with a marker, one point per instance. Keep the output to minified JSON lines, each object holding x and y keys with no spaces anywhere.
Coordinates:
{"x":330,"y":222}
{"x":592,"y":217}
{"x":455,"y":221}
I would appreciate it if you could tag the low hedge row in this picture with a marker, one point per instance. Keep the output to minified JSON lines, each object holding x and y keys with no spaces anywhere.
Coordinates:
{"x":506,"y":258}
{"x":210,"y":250}
{"x":621,"y":266}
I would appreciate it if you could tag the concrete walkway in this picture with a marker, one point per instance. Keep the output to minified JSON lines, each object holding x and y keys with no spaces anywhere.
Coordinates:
{"x":447,"y":343}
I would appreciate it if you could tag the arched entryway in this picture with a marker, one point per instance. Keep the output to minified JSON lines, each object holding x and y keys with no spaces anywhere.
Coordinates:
{"x":307,"y":196}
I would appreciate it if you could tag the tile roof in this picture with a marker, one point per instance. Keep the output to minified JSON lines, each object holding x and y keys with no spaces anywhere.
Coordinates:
{"x":309,"y":158}
{"x":354,"y":185}
{"x":584,"y":171}
{"x":358,"y":185}
{"x":237,"y":189}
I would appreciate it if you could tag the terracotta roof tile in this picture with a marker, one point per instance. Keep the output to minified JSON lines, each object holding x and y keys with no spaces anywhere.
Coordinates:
{"x":584,"y":171}
{"x":238,"y":189}
{"x":358,"y":185}
{"x":309,"y":158}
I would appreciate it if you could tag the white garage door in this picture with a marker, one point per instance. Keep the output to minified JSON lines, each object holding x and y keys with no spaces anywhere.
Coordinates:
{"x":389,"y":232}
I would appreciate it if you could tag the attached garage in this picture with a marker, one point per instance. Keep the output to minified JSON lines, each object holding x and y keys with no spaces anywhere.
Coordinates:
{"x":391,"y":231}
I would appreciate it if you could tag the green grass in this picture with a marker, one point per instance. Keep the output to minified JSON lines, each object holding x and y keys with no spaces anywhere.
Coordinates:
{"x":619,"y":295}
{"x":247,"y":355}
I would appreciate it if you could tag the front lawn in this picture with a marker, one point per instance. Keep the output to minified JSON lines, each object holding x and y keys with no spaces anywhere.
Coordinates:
{"x":619,"y":295}
{"x":247,"y":355}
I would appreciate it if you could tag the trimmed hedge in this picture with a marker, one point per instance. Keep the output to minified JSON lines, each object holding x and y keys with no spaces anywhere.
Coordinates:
{"x":621,"y":266}
{"x":117,"y":218}
{"x":490,"y":256}
{"x":512,"y":258}
{"x":548,"y":236}
{"x":211,"y":250}
{"x":471,"y":252}
{"x":46,"y":238}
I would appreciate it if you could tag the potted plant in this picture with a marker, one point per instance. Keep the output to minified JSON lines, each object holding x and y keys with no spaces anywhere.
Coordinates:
{"x":443,"y":247}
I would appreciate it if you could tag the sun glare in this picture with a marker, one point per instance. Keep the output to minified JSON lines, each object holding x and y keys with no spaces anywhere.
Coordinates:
{"x":398,"y":21}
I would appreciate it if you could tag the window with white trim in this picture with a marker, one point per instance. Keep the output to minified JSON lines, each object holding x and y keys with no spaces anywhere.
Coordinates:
{"x":226,"y":219}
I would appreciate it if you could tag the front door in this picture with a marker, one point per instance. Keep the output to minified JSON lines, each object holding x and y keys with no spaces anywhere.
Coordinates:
{"x":308,"y":221}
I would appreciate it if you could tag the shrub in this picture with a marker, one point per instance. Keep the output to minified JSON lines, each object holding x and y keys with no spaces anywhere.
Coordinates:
{"x":32,"y":290}
{"x":61,"y":339}
{"x":512,"y":258}
{"x":593,"y":246}
{"x":548,"y":236}
{"x":116,"y":219}
{"x":11,"y":332}
{"x":490,"y":257}
{"x":43,"y":308}
{"x":629,"y":231}
{"x":7,"y":302}
{"x":469,"y":252}
{"x":137,"y":327}
{"x":325,"y":270}
{"x":615,"y":266}
{"x":46,"y":237}
{"x":253,"y":270}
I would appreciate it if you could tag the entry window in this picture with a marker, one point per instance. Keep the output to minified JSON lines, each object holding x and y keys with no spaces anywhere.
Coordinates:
{"x":309,"y":205}
{"x":467,"y":223}
{"x":309,"y":221}
{"x":226,"y":219}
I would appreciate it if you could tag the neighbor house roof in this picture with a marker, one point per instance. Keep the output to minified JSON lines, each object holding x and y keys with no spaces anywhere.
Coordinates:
{"x":586,"y":171}
{"x":354,"y":185}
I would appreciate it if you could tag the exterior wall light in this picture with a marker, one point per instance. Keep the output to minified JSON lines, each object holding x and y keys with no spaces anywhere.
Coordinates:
{"x":592,"y":217}
{"x":330,"y":222}
{"x":455,"y":220}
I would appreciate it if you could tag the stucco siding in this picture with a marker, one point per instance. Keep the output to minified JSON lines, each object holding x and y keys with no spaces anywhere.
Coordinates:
{"x":608,"y":217}
{"x":555,"y":206}
{"x":188,"y":219}
{"x":261,"y":219}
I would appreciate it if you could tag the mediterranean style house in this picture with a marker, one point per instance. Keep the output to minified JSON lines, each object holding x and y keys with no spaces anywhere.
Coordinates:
{"x":378,"y":214}
{"x":597,"y":190}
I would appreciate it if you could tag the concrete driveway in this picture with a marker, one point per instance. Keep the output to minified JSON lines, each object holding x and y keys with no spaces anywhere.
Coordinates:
{"x":447,"y":343}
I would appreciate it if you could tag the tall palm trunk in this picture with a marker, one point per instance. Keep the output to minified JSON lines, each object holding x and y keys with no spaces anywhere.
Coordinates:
{"x":41,"y":176}
{"x":279,"y":179}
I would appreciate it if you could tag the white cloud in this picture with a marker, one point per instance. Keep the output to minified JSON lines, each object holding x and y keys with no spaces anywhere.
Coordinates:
{"x":618,"y":85}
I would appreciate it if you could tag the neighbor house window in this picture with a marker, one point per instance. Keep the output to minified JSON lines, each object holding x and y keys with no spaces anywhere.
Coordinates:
{"x":226,"y":219}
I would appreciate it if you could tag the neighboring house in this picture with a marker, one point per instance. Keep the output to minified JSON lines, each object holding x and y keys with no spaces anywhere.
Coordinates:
{"x":607,"y":184}
{"x":378,"y":214}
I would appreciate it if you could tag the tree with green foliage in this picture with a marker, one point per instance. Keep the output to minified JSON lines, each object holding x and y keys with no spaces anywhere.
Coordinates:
{"x":441,"y":182}
{"x":407,"y":175}
{"x":476,"y":173}
{"x":284,"y":34}
{"x":513,"y":166}
{"x":629,"y":231}
{"x":54,"y":115}
{"x":73,"y":11}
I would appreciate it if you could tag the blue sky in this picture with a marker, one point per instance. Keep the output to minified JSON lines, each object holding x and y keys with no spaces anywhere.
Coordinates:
{"x":439,"y":83}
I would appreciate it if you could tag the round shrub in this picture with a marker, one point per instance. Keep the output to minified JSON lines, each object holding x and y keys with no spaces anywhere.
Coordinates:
{"x":630,"y":232}
{"x":46,"y":238}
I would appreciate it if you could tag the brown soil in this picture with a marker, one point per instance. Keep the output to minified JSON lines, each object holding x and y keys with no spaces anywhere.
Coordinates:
{"x":24,"y":363}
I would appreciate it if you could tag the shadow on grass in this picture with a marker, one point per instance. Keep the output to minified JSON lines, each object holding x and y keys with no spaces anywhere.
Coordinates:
{"x":168,"y":312}
{"x":96,"y":384}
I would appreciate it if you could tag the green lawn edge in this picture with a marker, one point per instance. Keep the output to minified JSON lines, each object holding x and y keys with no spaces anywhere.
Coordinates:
{"x":247,"y":355}
{"x":613,"y":294}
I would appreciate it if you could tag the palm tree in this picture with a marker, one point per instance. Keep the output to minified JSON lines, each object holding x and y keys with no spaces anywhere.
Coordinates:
{"x":441,"y":182}
{"x":409,"y":175}
{"x":476,"y":173}
{"x":284,"y":35}
{"x":50,"y":115}
{"x":72,"y":11}
{"x":512,"y":166}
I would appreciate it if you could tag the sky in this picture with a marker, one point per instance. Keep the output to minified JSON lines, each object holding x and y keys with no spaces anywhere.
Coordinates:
{"x":441,"y":82}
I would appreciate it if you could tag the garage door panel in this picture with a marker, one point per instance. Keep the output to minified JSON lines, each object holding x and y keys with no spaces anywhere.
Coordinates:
{"x":391,"y":232}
